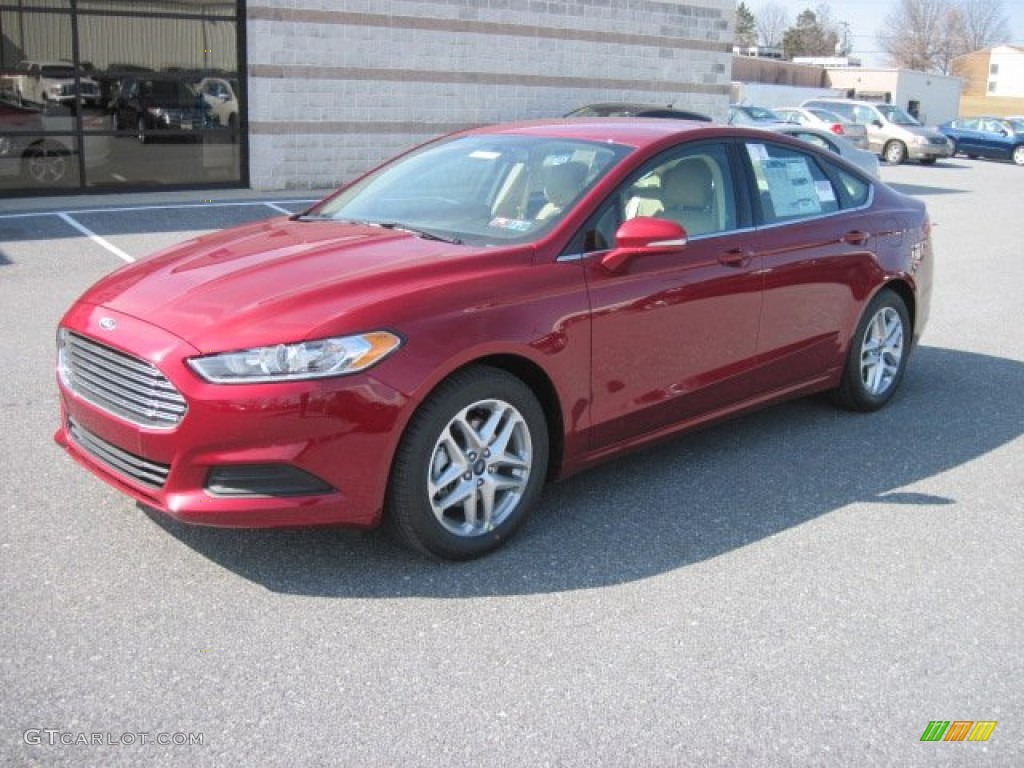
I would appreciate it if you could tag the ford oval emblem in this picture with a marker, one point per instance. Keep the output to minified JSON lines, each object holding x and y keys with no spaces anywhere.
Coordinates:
{"x":108,"y":323}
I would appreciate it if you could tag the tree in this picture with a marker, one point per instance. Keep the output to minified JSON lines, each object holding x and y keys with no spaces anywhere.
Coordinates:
{"x":916,"y":34}
{"x":813,"y":35}
{"x":746,"y":32}
{"x":984,"y":25}
{"x":928,"y":34}
{"x":771,"y":21}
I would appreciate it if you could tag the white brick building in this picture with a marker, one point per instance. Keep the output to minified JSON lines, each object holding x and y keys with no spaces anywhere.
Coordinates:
{"x":335,"y":87}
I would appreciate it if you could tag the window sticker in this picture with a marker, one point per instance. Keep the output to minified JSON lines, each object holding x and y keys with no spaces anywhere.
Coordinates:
{"x":825,"y":192}
{"x":791,"y":186}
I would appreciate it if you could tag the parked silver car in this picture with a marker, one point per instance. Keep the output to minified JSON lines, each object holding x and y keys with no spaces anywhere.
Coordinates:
{"x":866,"y":161}
{"x":855,"y":133}
{"x":892,"y":133}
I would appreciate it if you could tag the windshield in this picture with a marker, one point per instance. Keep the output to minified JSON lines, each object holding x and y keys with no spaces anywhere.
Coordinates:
{"x":760,"y":113}
{"x":477,"y":189}
{"x":1017,"y":125}
{"x":896,"y":115}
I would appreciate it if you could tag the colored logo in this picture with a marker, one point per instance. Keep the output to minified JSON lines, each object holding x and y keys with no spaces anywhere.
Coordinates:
{"x":959,"y":730}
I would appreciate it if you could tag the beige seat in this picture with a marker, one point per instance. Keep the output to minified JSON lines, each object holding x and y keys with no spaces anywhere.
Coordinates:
{"x":562,"y":184}
{"x":687,"y":194}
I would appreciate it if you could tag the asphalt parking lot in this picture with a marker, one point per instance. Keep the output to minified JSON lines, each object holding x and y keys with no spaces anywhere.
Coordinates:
{"x":802,"y":586}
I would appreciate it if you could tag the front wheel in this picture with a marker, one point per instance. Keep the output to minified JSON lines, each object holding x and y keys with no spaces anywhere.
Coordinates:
{"x":878,"y":354}
{"x":140,"y":130}
{"x":895,"y":152}
{"x":1018,"y":155}
{"x":45,"y":166}
{"x":470,"y":465}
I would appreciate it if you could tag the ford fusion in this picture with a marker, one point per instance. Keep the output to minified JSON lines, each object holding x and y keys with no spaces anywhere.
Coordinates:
{"x":498,"y":308}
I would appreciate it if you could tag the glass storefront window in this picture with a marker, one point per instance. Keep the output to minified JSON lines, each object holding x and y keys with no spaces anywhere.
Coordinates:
{"x":108,"y":94}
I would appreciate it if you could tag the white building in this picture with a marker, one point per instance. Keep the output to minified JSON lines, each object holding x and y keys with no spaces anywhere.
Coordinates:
{"x":931,"y":98}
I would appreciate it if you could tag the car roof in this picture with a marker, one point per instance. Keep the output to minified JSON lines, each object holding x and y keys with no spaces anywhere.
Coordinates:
{"x":629,"y":131}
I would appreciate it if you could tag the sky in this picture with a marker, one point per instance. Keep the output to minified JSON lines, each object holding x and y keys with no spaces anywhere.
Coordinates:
{"x":865,"y":19}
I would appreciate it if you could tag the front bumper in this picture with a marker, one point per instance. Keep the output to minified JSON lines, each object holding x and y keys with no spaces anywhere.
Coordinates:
{"x":282,"y":454}
{"x":938,"y":151}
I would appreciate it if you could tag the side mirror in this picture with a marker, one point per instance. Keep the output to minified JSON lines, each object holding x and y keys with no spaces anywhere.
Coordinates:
{"x":643,"y":236}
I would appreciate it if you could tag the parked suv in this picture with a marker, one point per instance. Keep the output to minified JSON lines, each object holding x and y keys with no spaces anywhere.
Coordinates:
{"x":892,"y":133}
{"x":153,"y":104}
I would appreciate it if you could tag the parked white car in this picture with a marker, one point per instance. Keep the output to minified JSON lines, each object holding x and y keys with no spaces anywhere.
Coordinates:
{"x":43,"y":82}
{"x":38,"y":145}
{"x":816,"y":117}
{"x":221,"y":94}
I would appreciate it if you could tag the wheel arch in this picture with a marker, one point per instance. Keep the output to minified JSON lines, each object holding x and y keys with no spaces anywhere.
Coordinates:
{"x":905,"y":291}
{"x":537,"y":379}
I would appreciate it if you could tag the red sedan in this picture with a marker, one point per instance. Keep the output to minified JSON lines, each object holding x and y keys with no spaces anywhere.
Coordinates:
{"x":494,"y":309}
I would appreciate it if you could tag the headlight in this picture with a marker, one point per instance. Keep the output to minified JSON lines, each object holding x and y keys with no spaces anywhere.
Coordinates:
{"x":294,"y":362}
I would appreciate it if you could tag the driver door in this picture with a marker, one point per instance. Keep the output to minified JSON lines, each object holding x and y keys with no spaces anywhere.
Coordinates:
{"x":674,"y":334}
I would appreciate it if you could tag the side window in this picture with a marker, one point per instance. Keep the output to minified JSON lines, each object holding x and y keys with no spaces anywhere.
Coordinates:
{"x":791,"y":184}
{"x":693,"y":187}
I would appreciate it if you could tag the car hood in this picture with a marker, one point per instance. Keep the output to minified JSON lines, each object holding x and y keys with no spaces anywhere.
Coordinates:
{"x":277,"y":281}
{"x":923,"y":130}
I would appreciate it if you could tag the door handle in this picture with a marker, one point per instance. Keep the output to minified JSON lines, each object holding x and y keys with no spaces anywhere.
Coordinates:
{"x":737,"y":257}
{"x":856,"y":237}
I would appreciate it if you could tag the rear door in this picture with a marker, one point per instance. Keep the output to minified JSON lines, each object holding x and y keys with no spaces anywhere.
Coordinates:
{"x":814,"y":244}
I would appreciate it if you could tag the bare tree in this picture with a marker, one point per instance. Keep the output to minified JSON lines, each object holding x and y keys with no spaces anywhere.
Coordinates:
{"x":771,"y":24}
{"x":984,"y":24}
{"x":927,"y":34}
{"x":916,"y":34}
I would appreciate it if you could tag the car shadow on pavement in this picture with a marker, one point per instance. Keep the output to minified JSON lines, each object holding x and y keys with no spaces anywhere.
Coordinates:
{"x":684,"y":501}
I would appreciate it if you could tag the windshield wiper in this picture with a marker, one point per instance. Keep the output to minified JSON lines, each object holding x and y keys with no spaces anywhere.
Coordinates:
{"x":425,"y":234}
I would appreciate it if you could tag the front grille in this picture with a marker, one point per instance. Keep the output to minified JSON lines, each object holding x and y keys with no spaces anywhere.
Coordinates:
{"x":151,"y":474}
{"x":120,"y":384}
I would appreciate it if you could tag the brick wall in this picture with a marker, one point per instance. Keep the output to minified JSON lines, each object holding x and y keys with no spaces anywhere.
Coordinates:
{"x":335,"y":87}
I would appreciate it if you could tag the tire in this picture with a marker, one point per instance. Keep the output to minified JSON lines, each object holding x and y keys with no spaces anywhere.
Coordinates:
{"x":1018,"y":155}
{"x":895,"y":152}
{"x":140,"y":130}
{"x":956,"y":147}
{"x":449,"y":496}
{"x":115,"y":121}
{"x":878,"y":354}
{"x":45,"y":167}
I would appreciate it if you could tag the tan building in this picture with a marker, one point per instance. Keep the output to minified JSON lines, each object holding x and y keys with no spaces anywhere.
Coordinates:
{"x":993,"y":80}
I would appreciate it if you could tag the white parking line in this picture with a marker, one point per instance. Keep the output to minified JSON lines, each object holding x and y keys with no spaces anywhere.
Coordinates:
{"x":277,"y":206}
{"x":95,"y":238}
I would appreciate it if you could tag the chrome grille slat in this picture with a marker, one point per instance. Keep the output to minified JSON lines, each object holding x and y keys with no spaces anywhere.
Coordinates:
{"x":125,"y":386}
{"x":149,"y":473}
{"x":109,"y":387}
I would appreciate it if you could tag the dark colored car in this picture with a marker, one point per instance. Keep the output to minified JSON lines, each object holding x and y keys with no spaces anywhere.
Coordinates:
{"x":491,"y":310}
{"x":155,"y":105}
{"x":994,"y":137}
{"x":637,"y":110}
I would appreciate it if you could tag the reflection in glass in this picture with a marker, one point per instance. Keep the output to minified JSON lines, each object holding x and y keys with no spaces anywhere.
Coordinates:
{"x":150,"y":101}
